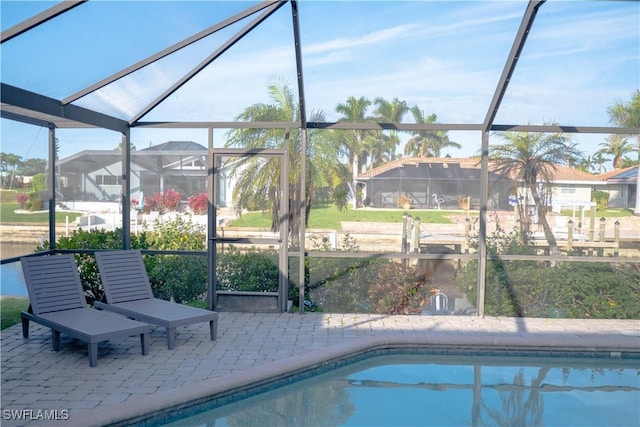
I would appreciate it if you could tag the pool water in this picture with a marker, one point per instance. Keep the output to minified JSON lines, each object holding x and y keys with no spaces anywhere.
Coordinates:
{"x":446,"y":390}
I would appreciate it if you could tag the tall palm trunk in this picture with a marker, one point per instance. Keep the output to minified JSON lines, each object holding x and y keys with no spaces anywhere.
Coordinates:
{"x":542,"y":218}
{"x":354,"y":193}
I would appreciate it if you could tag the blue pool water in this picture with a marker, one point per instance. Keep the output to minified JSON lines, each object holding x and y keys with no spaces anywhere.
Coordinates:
{"x":436,"y":390}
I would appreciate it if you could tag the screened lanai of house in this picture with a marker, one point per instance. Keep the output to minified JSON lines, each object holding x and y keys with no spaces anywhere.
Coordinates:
{"x":116,"y":78}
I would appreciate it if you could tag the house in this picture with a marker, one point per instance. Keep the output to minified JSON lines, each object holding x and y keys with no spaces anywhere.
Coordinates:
{"x":621,"y":184}
{"x":430,"y":182}
{"x":91,"y":177}
{"x":571,"y":189}
{"x":447,"y":182}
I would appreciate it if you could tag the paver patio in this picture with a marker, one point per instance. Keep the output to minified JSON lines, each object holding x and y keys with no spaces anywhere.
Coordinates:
{"x":250,"y":347}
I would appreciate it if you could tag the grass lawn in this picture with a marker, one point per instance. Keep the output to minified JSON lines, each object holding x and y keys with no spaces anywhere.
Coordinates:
{"x":330,"y":217}
{"x":9,"y":205}
{"x":10,"y":308}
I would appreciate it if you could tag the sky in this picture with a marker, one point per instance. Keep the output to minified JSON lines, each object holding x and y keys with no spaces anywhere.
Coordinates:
{"x":444,"y":57}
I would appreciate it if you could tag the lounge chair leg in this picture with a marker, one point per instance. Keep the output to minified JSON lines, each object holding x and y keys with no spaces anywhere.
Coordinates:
{"x":213,"y":326}
{"x":25,"y":327}
{"x":55,"y":340}
{"x":93,"y":354}
{"x":171,"y":338}
{"x":144,"y":342}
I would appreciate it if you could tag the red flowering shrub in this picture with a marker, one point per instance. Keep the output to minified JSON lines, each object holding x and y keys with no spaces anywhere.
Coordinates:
{"x":199,"y":203}
{"x":152,"y":203}
{"x":22,"y":200}
{"x":162,"y":203}
{"x":171,"y":200}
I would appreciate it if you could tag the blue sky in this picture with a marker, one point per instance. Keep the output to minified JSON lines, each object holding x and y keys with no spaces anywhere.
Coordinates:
{"x":445,"y":57}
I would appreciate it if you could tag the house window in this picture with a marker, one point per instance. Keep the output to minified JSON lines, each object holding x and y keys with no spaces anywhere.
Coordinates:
{"x":568,"y":190}
{"x":108,"y":180}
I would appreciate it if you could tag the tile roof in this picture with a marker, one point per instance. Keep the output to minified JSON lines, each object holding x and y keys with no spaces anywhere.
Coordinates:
{"x":562,"y":173}
{"x":614,"y":174}
{"x":468,"y":162}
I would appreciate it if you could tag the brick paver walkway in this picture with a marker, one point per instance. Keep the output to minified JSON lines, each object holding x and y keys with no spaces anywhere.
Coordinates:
{"x":250,"y":346}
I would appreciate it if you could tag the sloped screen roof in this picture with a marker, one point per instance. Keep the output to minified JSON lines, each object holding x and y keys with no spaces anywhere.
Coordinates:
{"x":204,"y":61}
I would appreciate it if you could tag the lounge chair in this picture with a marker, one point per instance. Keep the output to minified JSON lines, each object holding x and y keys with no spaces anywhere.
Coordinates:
{"x":58,"y":302}
{"x":128,"y":292}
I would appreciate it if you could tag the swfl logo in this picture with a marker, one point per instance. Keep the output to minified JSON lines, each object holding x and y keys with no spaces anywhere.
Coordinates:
{"x":35,"y":415}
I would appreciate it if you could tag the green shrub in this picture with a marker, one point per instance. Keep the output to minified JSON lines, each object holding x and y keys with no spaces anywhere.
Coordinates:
{"x":87,"y":267}
{"x":359,"y":285}
{"x":180,"y":233}
{"x":249,"y":270}
{"x":601,"y":198}
{"x":341,"y":284}
{"x":181,"y":278}
{"x":34,"y":203}
{"x":536,"y":289}
{"x":38,"y":182}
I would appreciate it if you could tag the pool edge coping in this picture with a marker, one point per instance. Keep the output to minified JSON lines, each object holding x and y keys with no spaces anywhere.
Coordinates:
{"x":141,"y":408}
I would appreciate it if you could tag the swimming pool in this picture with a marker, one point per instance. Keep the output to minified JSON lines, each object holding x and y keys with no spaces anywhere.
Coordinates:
{"x":401,"y":389}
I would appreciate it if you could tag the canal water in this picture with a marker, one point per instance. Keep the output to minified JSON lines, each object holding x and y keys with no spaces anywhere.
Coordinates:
{"x":11,"y":278}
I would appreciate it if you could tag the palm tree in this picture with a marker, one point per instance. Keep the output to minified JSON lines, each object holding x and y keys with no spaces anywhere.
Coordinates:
{"x":586,"y":164}
{"x":422,"y":142}
{"x":354,"y":110}
{"x":592,"y":164}
{"x":617,"y":146}
{"x":427,"y":143}
{"x":12,"y":161}
{"x":530,"y":159}
{"x":599,"y":160}
{"x":391,"y":112}
{"x":442,"y":141}
{"x":258,"y":177}
{"x":380,"y":149}
{"x":628,"y":115}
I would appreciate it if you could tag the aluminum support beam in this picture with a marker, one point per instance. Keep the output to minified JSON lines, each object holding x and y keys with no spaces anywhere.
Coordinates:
{"x":303,"y":155}
{"x":25,"y":119}
{"x":38,"y":19}
{"x":222,"y":49}
{"x":42,"y":104}
{"x":391,"y":126}
{"x":283,"y":252}
{"x":512,"y":60}
{"x":212,"y":257}
{"x":125,"y":200}
{"x":51,"y":188}
{"x":507,"y":72}
{"x":165,"y":52}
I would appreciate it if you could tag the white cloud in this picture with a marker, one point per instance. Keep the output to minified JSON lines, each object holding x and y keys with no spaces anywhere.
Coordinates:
{"x":371,"y":38}
{"x":446,"y":57}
